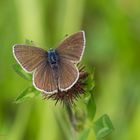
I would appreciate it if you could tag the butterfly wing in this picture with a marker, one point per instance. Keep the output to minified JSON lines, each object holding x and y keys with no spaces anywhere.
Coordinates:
{"x":72,"y":48}
{"x":33,"y":59}
{"x":29,"y":57}
{"x":44,"y":79}
{"x":68,"y":74}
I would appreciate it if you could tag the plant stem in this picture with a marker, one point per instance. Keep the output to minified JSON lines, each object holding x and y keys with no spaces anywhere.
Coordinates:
{"x":72,"y":119}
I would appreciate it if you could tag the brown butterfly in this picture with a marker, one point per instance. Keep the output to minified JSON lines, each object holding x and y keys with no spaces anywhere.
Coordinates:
{"x":54,"y":69}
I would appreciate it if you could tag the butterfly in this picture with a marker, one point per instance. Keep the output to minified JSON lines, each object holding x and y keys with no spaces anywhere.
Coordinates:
{"x":53,"y":70}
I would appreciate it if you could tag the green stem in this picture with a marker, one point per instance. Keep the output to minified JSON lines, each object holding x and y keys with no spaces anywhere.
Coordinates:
{"x":20,"y":123}
{"x":72,"y":119}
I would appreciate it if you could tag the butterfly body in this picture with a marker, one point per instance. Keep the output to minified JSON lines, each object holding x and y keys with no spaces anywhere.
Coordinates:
{"x":53,"y":57}
{"x":55,"y":69}
{"x":53,"y":60}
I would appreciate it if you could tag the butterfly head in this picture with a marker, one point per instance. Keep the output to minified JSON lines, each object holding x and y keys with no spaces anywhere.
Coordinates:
{"x":51,"y":49}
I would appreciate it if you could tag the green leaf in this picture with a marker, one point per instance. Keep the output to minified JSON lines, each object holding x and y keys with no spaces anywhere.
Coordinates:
{"x":91,"y":107}
{"x":21,"y":72}
{"x":90,"y":83}
{"x":83,"y":135}
{"x":27,"y":94}
{"x":103,"y":126}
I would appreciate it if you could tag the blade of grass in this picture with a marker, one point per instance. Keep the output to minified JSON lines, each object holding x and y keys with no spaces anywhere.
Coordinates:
{"x":71,"y":13}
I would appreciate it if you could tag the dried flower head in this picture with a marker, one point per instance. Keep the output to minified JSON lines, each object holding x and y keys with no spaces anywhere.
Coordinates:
{"x":72,"y":94}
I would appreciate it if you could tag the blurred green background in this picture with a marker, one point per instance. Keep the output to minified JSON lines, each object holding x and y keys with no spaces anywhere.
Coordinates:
{"x":113,"y":47}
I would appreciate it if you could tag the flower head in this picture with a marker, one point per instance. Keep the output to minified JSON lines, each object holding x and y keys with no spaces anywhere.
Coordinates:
{"x":73,"y":93}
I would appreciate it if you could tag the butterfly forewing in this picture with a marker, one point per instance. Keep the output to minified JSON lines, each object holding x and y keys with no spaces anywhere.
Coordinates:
{"x":29,"y":57}
{"x":44,"y":79}
{"x":72,"y":47}
{"x":68,"y":75}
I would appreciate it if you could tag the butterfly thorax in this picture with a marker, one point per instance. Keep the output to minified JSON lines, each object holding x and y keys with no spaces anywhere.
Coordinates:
{"x":53,"y":57}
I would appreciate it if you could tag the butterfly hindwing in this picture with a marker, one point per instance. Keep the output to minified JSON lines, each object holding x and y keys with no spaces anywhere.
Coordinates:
{"x":29,"y":57}
{"x":44,"y":79}
{"x":68,"y":74}
{"x":72,"y":47}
